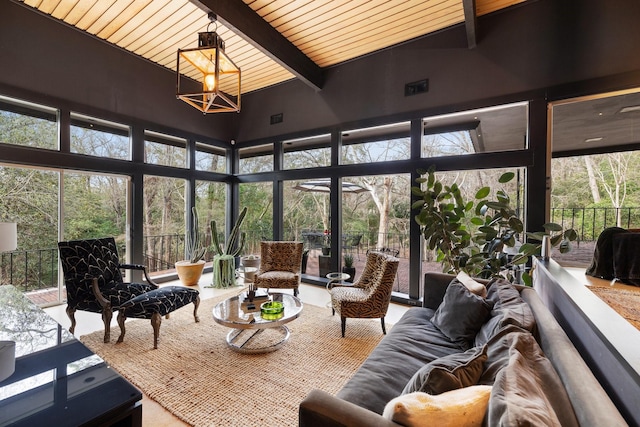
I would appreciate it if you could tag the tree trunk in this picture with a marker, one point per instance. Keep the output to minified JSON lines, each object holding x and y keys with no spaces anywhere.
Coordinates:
{"x":593,"y":182}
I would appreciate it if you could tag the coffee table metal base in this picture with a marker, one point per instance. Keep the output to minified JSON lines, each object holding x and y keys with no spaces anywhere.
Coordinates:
{"x":248,"y":340}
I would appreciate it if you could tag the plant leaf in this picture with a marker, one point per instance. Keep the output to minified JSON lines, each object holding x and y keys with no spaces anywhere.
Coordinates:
{"x":483,"y":192}
{"x":506,"y":177}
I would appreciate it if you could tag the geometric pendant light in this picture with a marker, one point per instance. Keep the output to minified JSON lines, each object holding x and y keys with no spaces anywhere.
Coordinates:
{"x":212,"y":84}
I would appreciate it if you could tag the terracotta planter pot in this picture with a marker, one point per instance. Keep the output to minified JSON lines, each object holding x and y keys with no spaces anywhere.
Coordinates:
{"x":189,"y":273}
{"x":255,"y":262}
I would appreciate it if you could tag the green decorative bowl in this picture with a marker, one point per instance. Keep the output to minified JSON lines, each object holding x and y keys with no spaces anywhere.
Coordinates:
{"x":272,"y":310}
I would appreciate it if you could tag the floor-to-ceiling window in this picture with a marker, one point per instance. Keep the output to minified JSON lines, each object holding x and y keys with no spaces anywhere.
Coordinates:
{"x":595,"y":168}
{"x":376,"y":207}
{"x":69,"y":175}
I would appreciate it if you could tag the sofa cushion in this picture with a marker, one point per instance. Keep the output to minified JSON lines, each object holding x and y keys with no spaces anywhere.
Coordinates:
{"x":473,"y":286}
{"x":528,"y":390}
{"x":412,"y":343}
{"x":508,"y":309}
{"x":448,"y":373}
{"x":461,"y":314}
{"x":465,"y":407}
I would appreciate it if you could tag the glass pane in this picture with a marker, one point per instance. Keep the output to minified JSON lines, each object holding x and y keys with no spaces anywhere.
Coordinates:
{"x":211,"y":205}
{"x":258,"y":224}
{"x":307,"y":152}
{"x":594,"y":183}
{"x":469,"y":183}
{"x":95,"y":206}
{"x":101,"y":138}
{"x":382,"y":225}
{"x":165,"y":150}
{"x":30,"y":198}
{"x":307,"y":219}
{"x":210,"y":158}
{"x":164,"y":221}
{"x":27,"y":124}
{"x":376,"y":144}
{"x":485,"y":130}
{"x":256,"y":159}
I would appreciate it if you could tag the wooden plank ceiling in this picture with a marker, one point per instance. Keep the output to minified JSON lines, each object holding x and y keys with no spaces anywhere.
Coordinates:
{"x":326,"y":32}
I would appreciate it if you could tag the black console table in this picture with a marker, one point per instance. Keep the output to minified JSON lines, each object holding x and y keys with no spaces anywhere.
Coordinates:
{"x":57,"y":380}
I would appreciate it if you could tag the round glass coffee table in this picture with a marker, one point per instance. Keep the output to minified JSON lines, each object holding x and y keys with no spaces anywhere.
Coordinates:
{"x":250,"y":332}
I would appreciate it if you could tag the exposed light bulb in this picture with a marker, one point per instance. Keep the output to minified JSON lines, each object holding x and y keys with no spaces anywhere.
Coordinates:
{"x":210,"y":82}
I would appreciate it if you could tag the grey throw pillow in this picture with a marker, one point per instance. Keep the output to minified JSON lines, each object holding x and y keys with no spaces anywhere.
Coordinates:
{"x":450,"y":372}
{"x":528,"y":390}
{"x":461,"y":314}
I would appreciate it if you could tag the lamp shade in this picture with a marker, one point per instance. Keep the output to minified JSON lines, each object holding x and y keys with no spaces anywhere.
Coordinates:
{"x":8,"y":236}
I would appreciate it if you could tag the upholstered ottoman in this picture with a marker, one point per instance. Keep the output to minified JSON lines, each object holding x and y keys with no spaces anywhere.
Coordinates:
{"x":155,"y":304}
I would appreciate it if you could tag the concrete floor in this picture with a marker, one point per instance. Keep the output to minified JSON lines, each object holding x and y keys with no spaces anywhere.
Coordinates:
{"x":152,"y":413}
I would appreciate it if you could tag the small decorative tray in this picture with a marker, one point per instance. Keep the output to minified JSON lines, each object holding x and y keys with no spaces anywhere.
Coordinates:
{"x":272,"y":310}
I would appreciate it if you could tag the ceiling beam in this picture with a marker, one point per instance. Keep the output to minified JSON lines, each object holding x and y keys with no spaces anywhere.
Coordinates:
{"x":470,"y":22}
{"x":246,"y":23}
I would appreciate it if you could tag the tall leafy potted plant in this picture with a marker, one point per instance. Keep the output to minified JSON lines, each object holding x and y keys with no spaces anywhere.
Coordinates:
{"x":471,"y":235}
{"x":190,"y":269}
{"x":224,"y":261}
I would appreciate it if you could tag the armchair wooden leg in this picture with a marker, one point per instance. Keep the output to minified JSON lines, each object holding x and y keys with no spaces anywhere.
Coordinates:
{"x":384,"y":330}
{"x":196,"y":304}
{"x":121,"y":318}
{"x":107,"y":314}
{"x":71,"y":313}
{"x":344,"y":325}
{"x":156,"y":320}
{"x":295,"y":292}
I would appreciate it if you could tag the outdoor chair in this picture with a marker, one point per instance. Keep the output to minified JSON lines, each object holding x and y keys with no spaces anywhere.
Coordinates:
{"x":351,"y":242}
{"x":93,"y":279}
{"x":281,"y":265}
{"x":385,"y":250}
{"x":369,"y":297}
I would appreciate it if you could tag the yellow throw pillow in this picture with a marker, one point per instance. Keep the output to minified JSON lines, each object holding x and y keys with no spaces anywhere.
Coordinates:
{"x":464,"y":407}
{"x":473,"y":286}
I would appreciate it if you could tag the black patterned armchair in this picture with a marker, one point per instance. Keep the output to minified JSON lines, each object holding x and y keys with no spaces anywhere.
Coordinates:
{"x":93,"y":279}
{"x":369,"y":297}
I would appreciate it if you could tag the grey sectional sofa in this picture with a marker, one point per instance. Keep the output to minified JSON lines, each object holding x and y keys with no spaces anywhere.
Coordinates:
{"x":537,"y":375}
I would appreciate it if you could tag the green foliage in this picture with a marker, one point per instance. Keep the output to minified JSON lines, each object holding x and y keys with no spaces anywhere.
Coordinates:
{"x":348,"y":260}
{"x":193,"y":249}
{"x":470,"y":235}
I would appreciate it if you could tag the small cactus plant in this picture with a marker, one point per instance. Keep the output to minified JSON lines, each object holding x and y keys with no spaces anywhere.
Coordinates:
{"x":193,"y":250}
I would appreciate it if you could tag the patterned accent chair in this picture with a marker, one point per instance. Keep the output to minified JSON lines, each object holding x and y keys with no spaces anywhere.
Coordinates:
{"x":93,"y":279}
{"x":369,"y":297}
{"x":155,"y":304}
{"x":281,"y":266}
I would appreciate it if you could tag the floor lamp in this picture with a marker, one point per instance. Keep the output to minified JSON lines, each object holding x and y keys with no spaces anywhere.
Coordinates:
{"x":8,"y":243}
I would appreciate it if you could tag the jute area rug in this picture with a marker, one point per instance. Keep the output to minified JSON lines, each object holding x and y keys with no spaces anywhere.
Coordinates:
{"x":623,"y":301}
{"x":195,"y":376}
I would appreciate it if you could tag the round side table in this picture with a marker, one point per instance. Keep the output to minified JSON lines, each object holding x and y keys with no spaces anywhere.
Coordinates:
{"x":333,"y":279}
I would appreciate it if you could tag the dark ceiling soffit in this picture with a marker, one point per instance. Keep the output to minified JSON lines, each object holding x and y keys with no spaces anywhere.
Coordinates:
{"x":471,"y":22}
{"x":604,"y":149}
{"x":240,"y":18}
{"x":453,"y":127}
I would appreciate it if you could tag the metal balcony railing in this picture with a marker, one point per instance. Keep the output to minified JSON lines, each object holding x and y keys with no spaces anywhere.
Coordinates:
{"x":35,"y":269}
